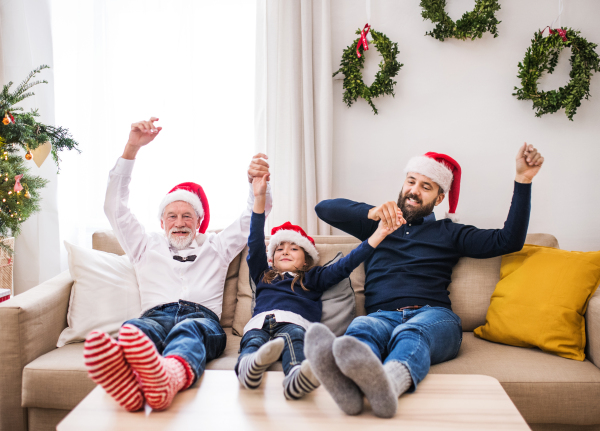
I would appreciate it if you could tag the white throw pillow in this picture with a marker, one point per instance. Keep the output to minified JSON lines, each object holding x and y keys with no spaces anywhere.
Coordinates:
{"x":104,"y":295}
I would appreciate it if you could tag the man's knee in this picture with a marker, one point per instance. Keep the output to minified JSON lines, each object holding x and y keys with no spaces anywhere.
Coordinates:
{"x":430,"y":334}
{"x":360,"y":324}
{"x":147,"y":326}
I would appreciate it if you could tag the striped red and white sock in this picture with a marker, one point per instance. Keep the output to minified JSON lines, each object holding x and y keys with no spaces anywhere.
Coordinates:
{"x":107,"y":367}
{"x":160,"y":378}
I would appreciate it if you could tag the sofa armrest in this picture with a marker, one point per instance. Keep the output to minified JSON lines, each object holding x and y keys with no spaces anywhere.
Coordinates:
{"x":30,"y":324}
{"x":592,"y":322}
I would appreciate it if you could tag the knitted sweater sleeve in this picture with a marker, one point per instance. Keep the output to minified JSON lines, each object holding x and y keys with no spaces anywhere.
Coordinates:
{"x":257,"y":251}
{"x":348,"y":216}
{"x":321,"y":278}
{"x":486,"y":243}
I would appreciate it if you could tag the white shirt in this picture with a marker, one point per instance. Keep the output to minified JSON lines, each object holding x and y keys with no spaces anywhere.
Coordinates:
{"x":280,"y":315}
{"x":162,"y":279}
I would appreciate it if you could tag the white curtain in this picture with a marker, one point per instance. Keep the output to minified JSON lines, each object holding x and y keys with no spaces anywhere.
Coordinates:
{"x":26,"y":43}
{"x":188,"y":62}
{"x":294,"y":111}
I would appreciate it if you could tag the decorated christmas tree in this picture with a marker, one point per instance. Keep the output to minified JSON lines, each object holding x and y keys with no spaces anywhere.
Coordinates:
{"x":21,"y":132}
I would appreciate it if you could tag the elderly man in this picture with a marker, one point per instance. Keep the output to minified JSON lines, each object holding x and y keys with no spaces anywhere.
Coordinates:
{"x":410,"y":324}
{"x":181,"y":276}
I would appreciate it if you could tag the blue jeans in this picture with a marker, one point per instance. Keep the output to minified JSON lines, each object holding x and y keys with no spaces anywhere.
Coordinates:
{"x":293,"y":351}
{"x":184,"y":329}
{"x":416,"y":338}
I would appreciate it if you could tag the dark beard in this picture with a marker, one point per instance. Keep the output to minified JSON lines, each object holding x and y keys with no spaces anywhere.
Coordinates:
{"x":410,"y":213}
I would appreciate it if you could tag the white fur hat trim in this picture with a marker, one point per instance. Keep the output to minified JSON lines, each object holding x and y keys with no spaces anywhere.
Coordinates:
{"x":427,"y":166}
{"x":293,"y":237}
{"x":181,"y":195}
{"x":453,"y":217}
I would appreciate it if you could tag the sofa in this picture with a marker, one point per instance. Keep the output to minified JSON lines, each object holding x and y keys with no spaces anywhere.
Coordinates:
{"x":40,"y":383}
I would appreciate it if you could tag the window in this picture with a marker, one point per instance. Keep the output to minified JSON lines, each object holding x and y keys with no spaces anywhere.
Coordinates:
{"x":190,"y":63}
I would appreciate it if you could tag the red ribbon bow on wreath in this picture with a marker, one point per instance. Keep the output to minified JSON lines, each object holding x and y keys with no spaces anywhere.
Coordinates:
{"x":562,"y":33}
{"x":363,"y":40}
{"x":18,"y":186}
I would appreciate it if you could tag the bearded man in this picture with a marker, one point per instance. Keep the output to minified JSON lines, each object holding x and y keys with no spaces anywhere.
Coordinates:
{"x":181,"y":276}
{"x":410,"y":324}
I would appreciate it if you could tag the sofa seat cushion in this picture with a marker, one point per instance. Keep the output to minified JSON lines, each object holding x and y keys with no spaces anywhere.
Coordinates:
{"x":545,"y":388}
{"x":59,"y":379}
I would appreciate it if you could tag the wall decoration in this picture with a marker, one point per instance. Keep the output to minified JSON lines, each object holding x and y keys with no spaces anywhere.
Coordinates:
{"x":472,"y":24}
{"x":542,"y":56}
{"x":353,"y":61}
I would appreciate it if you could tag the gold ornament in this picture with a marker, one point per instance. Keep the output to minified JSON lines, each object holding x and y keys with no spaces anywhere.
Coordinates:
{"x":28,"y":156}
{"x":27,"y":195}
{"x":6,"y":121}
{"x":41,"y":152}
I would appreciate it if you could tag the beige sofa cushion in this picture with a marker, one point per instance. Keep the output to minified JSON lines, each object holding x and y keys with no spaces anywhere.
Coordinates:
{"x":545,"y":388}
{"x":326,"y":252}
{"x":105,"y":240}
{"x":59,"y":379}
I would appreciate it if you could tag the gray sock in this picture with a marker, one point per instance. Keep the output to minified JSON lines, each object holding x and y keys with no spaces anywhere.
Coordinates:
{"x":399,"y":376}
{"x":357,"y":361}
{"x":318,"y":343}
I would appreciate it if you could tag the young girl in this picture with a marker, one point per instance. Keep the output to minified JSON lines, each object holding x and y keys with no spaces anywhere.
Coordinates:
{"x":288,"y":297}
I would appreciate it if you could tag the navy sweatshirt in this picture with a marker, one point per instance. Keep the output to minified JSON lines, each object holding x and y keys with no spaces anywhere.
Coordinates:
{"x":278,"y":294}
{"x":413,"y":265}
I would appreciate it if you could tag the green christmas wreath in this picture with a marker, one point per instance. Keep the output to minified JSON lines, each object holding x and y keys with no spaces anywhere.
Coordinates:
{"x":472,"y":24}
{"x":351,"y":66}
{"x":542,"y":56}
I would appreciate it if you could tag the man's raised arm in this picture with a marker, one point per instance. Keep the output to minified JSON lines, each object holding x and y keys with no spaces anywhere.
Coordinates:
{"x":128,"y":230}
{"x":485,"y":243}
{"x":348,"y":216}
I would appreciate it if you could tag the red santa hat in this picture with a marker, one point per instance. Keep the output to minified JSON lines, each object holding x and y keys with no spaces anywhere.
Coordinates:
{"x":442,"y":169}
{"x":288,"y":232}
{"x":193,"y":194}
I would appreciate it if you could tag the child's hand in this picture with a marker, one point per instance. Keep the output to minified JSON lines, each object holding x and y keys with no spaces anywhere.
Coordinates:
{"x":384,"y":230}
{"x":259,"y":185}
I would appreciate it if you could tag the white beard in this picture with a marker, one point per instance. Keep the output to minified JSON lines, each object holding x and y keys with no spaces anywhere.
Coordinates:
{"x":180,"y":242}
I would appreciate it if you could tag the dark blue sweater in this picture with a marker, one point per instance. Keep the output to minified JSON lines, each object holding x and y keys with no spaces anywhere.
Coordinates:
{"x":278,"y":295}
{"x":413,"y":265}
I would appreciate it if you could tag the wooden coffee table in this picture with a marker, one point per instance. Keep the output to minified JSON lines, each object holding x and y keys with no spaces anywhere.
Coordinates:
{"x":442,"y":402}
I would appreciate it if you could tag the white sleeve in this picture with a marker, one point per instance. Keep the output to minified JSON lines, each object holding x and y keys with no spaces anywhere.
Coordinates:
{"x":231,"y":240}
{"x":127,"y":228}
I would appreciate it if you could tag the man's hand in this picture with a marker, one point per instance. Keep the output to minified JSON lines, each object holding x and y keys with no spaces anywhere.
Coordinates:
{"x":258,"y":168}
{"x":142,"y":133}
{"x":529,"y":163}
{"x":389,"y":214}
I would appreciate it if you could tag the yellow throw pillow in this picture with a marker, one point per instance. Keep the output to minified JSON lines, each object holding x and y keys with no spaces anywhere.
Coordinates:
{"x":541,"y":299}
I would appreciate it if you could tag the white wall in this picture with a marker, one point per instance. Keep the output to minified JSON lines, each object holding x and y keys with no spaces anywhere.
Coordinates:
{"x":455,"y":97}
